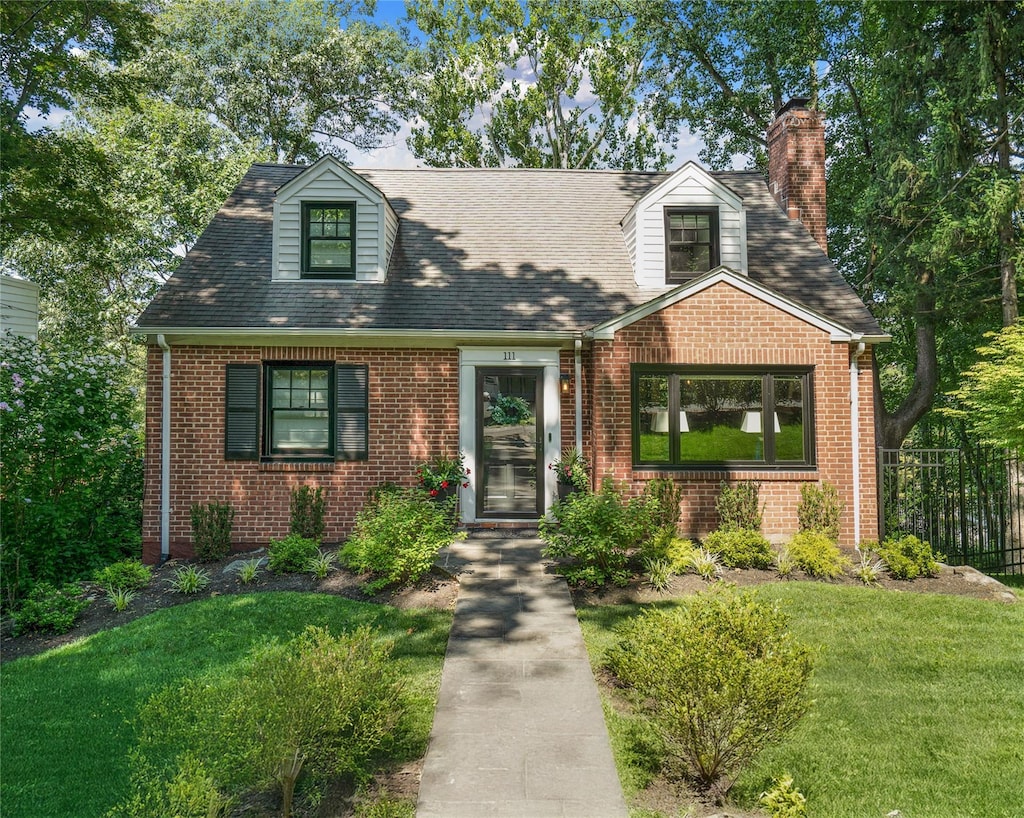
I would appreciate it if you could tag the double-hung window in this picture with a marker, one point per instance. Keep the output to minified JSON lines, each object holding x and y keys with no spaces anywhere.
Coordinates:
{"x":691,"y":243}
{"x":688,"y":417}
{"x":328,"y":239}
{"x":296,"y":411}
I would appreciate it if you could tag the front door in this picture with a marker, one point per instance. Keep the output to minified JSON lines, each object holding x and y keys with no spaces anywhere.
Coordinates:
{"x":510,"y":443}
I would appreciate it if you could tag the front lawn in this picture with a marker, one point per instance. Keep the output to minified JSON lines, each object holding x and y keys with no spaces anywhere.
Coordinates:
{"x":66,"y":719}
{"x":918,"y":705}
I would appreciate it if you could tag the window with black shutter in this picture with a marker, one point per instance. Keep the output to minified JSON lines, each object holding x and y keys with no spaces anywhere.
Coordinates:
{"x":310,"y":411}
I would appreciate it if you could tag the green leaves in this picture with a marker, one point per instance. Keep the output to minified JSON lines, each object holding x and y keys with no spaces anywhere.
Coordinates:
{"x":547,"y":83}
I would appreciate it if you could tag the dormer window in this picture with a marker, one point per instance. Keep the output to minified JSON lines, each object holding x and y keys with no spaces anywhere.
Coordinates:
{"x":691,"y":243}
{"x":328,"y":239}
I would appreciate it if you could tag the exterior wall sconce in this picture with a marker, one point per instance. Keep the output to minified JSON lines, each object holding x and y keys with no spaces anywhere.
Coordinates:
{"x":564,"y":378}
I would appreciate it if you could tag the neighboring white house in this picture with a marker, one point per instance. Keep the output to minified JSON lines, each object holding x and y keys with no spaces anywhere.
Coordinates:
{"x":19,"y":307}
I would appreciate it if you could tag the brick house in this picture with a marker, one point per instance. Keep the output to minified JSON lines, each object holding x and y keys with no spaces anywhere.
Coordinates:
{"x":335,"y":328}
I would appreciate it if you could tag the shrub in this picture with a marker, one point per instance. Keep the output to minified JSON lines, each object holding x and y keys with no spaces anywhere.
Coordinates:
{"x":187,"y":791}
{"x":189,"y":579}
{"x":705,"y":564}
{"x":211,"y":530}
{"x":321,"y":564}
{"x":740,"y":548}
{"x":666,"y":496}
{"x":322,"y":705}
{"x":867,"y":571}
{"x":784,"y":563}
{"x":908,"y":557}
{"x":783,"y":800}
{"x":397,"y":538}
{"x":817,"y":555}
{"x":249,"y":570}
{"x":819,"y":509}
{"x":738,"y":508}
{"x":721,"y":679}
{"x":48,"y":609}
{"x":71,"y":448}
{"x":120,"y":598}
{"x":659,"y":573}
{"x":128,"y":574}
{"x":595,"y":530}
{"x":291,"y":554}
{"x":678,"y":553}
{"x":307,"y":512}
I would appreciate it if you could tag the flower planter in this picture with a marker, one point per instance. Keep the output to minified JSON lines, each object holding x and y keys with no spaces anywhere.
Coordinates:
{"x":565,"y":489}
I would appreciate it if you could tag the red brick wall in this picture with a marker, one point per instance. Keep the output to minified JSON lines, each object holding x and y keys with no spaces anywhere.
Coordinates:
{"x":413,"y":416}
{"x":723,"y":325}
{"x":796,"y":168}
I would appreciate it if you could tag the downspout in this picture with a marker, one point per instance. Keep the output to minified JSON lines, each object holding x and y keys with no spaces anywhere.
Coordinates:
{"x":855,"y":437}
{"x":579,"y":396}
{"x":165,"y":453}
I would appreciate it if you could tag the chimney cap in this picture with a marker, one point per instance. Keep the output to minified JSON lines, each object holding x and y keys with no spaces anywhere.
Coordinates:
{"x":794,"y":103}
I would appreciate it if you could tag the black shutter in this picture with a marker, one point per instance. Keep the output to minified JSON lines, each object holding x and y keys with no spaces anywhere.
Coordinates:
{"x":242,"y":412}
{"x":351,"y":439}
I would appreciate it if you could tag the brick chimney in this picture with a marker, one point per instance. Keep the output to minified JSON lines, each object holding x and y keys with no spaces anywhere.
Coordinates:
{"x":796,"y":166}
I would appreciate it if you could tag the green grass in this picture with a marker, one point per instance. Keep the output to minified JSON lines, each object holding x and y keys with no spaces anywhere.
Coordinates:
{"x":66,"y":718}
{"x":722,"y":443}
{"x":919,"y":705}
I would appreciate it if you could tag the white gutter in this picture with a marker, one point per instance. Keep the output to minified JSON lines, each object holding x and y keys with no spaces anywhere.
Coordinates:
{"x":165,"y":453}
{"x":579,"y":396}
{"x":329,"y":333}
{"x":855,"y":436}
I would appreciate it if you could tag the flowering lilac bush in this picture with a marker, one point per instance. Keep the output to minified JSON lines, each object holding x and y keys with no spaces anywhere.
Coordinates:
{"x":71,"y":453}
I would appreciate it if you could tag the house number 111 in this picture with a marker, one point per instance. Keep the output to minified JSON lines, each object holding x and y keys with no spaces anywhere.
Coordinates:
{"x":510,"y":356}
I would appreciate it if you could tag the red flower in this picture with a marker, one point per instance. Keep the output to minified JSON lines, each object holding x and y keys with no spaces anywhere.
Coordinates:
{"x":467,"y":471}
{"x":465,"y":485}
{"x":433,"y":492}
{"x":444,"y":484}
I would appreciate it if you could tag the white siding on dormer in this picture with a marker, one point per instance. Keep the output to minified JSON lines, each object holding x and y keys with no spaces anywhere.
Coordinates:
{"x":643,"y":228}
{"x":328,"y":181}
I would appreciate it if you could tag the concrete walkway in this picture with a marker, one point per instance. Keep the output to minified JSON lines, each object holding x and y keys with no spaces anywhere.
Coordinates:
{"x":518,"y":729}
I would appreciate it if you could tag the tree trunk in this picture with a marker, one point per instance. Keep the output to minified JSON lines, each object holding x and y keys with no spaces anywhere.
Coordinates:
{"x":892,"y":428}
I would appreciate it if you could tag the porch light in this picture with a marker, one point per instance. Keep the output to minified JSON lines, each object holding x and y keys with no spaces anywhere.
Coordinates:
{"x":752,"y":423}
{"x":564,"y":378}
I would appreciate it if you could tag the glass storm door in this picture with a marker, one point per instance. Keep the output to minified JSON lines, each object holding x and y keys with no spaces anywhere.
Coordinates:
{"x":510,"y":443}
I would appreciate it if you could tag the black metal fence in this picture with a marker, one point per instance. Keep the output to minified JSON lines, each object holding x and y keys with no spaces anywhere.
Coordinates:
{"x":968,"y":503}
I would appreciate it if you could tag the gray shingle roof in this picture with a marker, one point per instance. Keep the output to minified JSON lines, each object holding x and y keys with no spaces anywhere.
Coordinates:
{"x":518,"y":250}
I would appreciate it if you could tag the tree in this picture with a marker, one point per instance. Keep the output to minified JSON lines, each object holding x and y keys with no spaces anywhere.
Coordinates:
{"x":546,"y":83}
{"x":922,"y":182}
{"x":286,"y":75}
{"x":53,"y":54}
{"x":992,"y":395}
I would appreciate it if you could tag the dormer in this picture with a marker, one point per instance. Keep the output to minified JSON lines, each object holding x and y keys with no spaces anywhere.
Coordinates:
{"x":689,"y":224}
{"x":330,"y":223}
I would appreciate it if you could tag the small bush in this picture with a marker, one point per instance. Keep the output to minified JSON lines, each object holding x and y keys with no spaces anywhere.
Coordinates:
{"x":321,"y":564}
{"x":320,"y":705}
{"x":291,"y":554}
{"x":249,"y":570}
{"x":705,"y":564}
{"x":908,"y":557}
{"x":738,"y":507}
{"x":740,"y":548}
{"x":120,"y":598}
{"x":867,"y":571}
{"x":595,"y":533}
{"x":784,"y":563}
{"x":211,"y":530}
{"x":189,"y":579}
{"x":126,"y":574}
{"x":721,"y":679}
{"x":48,"y":609}
{"x":678,"y":553}
{"x":817,"y":555}
{"x":188,"y":791}
{"x":784,"y":800}
{"x":397,"y":537}
{"x":307,"y":512}
{"x":666,"y":495}
{"x":659,"y":573}
{"x":819,"y":509}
